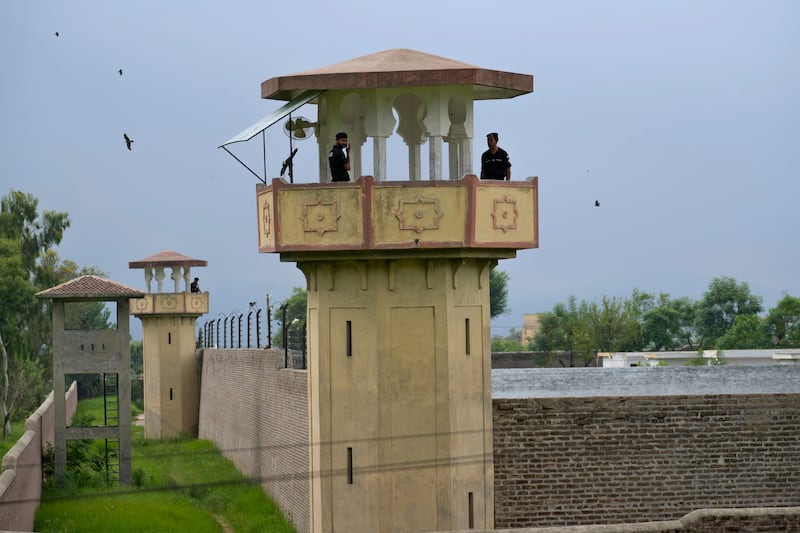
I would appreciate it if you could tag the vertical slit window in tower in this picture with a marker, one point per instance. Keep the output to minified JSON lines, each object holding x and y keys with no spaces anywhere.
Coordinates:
{"x":466,"y":335}
{"x":92,"y":346}
{"x":170,"y":393}
{"x":349,"y":335}
{"x":169,"y":337}
{"x":349,"y":466}
{"x":471,"y":511}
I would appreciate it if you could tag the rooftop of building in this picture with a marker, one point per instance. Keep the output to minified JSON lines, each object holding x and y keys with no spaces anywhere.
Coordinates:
{"x":165,"y":258}
{"x":399,"y":67}
{"x":90,"y":287}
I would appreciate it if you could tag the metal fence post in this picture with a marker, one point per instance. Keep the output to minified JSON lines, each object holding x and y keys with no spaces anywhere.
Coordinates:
{"x":285,"y":339}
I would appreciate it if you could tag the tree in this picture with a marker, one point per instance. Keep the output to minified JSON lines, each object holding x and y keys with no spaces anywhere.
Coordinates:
{"x":296,"y":306}
{"x":724,"y":300}
{"x":607,"y":327}
{"x":637,"y":306}
{"x":507,"y":343}
{"x":557,"y":330}
{"x":669,"y":324}
{"x":782,"y":324}
{"x":688,"y":335}
{"x":23,"y":386}
{"x":137,"y":358}
{"x":581,"y":330}
{"x":17,"y":298}
{"x":19,"y":220}
{"x":747,"y":332}
{"x":660,"y":325}
{"x":17,"y":301}
{"x":137,"y":368}
{"x":33,"y":235}
{"x":498,"y":293}
{"x":24,"y":320}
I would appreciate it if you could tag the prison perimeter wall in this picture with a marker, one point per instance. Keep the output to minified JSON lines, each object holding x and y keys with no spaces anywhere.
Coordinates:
{"x":579,"y":448}
{"x":605,"y":446}
{"x":256,"y":412}
{"x":21,"y":477}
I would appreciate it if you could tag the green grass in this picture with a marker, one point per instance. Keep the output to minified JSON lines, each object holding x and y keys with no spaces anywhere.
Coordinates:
{"x":179,"y":485}
{"x":17,"y":429}
{"x":94,"y":407}
{"x":133,"y":512}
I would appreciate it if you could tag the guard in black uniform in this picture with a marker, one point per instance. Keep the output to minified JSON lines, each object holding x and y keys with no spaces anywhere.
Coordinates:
{"x":495,"y":164}
{"x":339,"y":159}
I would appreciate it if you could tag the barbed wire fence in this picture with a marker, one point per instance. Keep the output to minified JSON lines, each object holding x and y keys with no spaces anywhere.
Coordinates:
{"x":236,"y":330}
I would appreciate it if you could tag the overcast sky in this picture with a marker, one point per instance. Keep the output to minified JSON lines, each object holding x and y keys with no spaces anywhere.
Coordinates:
{"x":680,"y":117}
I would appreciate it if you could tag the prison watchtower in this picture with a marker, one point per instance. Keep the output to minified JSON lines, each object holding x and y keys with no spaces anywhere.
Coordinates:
{"x":169,"y":314}
{"x":397,"y":271}
{"x":106,"y":352}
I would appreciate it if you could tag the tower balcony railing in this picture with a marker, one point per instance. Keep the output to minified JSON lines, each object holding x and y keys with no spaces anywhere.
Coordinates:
{"x":369,"y":215}
{"x":170,"y":303}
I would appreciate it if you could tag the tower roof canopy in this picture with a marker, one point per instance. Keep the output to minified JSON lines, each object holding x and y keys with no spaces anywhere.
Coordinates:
{"x":90,"y":288}
{"x":399,"y":67}
{"x":167,"y":257}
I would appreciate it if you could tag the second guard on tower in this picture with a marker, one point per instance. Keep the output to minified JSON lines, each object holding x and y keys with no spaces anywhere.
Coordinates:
{"x":339,"y":159}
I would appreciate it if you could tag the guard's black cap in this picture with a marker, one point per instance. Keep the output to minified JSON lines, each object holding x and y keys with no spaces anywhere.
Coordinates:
{"x":341,"y":135}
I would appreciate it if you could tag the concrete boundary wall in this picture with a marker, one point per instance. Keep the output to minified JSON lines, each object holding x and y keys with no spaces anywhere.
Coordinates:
{"x":256,"y":412}
{"x":607,"y":460}
{"x":761,"y":519}
{"x":21,"y":479}
{"x":667,"y":461}
{"x":643,"y":381}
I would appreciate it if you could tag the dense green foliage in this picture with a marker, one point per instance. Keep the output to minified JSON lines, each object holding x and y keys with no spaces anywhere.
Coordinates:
{"x":508,"y":343}
{"x":782,"y":324}
{"x":723,"y":302}
{"x":726,"y":317}
{"x":28,"y":264}
{"x":137,"y":374}
{"x":25,"y":238}
{"x":295,"y":316}
{"x":498,"y":293}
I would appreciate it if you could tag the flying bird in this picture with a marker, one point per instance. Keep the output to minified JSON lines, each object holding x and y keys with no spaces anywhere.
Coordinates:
{"x":128,"y":140}
{"x":597,"y":203}
{"x":56,"y":34}
{"x":120,"y":72}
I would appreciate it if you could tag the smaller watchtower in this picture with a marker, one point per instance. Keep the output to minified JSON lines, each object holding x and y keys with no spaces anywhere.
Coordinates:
{"x":104,"y":351}
{"x":171,"y":376}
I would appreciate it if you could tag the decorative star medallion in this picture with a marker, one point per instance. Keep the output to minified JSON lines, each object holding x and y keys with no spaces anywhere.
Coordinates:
{"x":169,"y":302}
{"x":504,"y":215}
{"x":321,"y":216}
{"x":196,"y":303}
{"x":419,"y":214}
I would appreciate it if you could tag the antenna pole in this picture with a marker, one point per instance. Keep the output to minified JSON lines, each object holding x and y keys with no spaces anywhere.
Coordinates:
{"x":291,"y":164}
{"x":264,"y":148}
